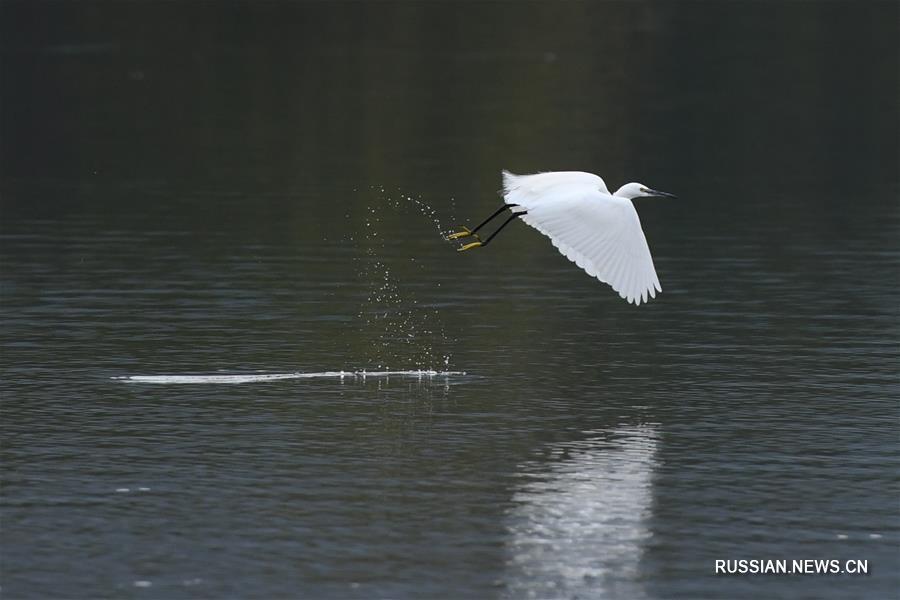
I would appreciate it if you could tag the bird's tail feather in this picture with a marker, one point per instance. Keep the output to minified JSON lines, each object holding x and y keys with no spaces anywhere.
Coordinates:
{"x":510,"y":181}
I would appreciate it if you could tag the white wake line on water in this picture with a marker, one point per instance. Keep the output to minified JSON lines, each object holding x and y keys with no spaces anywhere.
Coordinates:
{"x":260,"y":377}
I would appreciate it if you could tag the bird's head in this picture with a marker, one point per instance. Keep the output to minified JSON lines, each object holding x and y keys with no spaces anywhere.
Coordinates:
{"x":639,"y":190}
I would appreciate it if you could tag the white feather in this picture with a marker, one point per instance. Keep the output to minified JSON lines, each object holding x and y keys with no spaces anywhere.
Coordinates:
{"x":526,"y":190}
{"x":599,"y":232}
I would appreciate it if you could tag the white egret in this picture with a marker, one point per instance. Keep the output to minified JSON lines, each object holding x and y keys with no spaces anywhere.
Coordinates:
{"x":598,"y":231}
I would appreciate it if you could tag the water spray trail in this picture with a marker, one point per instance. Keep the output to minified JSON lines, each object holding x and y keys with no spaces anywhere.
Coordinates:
{"x":401,"y":331}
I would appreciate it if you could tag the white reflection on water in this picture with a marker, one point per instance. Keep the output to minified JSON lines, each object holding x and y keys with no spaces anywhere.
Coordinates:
{"x":578,"y":530}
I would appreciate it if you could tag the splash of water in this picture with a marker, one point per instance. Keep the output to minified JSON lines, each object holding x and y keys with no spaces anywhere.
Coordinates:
{"x":400,"y":331}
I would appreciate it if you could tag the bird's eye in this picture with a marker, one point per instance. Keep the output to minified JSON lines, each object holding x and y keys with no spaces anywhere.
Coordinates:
{"x":644,"y":190}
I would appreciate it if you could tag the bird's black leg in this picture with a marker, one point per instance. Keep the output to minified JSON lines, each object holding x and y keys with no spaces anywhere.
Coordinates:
{"x":479,"y":243}
{"x":491,"y":218}
{"x":467,"y":232}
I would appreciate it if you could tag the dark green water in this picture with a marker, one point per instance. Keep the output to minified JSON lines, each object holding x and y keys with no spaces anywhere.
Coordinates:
{"x":203,"y":188}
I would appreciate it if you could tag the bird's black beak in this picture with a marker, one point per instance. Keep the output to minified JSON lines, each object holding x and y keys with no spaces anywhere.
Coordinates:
{"x":661,"y":194}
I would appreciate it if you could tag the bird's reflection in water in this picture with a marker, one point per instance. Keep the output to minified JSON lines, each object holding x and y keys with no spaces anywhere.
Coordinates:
{"x":578,"y":528}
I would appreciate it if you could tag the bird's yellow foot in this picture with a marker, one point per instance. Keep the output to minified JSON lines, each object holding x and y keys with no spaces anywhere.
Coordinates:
{"x":469,"y":246}
{"x":466,"y":232}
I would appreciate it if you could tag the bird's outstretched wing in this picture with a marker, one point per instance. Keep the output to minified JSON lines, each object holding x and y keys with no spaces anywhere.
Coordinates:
{"x":601,"y":234}
{"x":528,"y":190}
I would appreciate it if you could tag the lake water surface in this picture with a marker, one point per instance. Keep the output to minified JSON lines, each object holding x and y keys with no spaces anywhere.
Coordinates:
{"x":261,"y":189}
